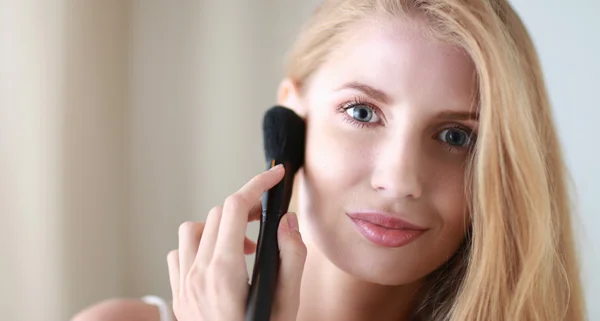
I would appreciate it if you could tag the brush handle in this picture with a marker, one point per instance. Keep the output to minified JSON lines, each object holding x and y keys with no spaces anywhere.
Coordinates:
{"x":275,"y":203}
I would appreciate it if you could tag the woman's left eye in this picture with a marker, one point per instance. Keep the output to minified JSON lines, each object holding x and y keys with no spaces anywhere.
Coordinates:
{"x":362,"y":113}
{"x":456,"y":137}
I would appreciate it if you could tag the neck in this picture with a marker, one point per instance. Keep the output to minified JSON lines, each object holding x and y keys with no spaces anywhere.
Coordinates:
{"x":329,"y":293}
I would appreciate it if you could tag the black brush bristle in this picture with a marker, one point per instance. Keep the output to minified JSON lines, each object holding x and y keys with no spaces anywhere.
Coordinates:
{"x":284,"y":137}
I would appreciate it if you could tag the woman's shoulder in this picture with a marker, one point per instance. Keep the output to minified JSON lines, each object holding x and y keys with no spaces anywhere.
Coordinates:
{"x":147,"y":308}
{"x":165,"y":308}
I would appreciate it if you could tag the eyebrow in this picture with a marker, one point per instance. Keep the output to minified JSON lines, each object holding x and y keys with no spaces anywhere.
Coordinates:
{"x":458,"y":115}
{"x":384,"y":98}
{"x":368,"y":90}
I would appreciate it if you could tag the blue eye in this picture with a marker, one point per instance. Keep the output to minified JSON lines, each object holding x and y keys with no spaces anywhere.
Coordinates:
{"x":455,"y":137}
{"x":362,"y":113}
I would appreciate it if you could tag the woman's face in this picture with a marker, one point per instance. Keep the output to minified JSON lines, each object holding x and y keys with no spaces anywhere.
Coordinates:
{"x":390,"y":122}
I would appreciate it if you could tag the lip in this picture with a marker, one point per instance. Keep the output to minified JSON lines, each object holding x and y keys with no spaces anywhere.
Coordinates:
{"x":385,"y":230}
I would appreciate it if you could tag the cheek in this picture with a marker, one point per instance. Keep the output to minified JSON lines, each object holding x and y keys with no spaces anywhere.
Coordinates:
{"x":449,"y":199}
{"x":332,"y":160}
{"x":332,"y":172}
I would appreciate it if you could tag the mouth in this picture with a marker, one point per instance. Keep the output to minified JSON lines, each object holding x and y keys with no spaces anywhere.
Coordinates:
{"x":385,"y":230}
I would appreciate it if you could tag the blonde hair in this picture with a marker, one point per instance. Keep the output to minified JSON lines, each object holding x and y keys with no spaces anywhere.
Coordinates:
{"x":519,"y":258}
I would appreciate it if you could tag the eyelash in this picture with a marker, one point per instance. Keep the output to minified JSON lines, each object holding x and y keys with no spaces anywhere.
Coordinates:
{"x":458,"y":149}
{"x":358,"y":101}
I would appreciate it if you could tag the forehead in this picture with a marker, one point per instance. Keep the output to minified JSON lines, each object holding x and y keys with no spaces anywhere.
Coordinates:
{"x":399,"y":58}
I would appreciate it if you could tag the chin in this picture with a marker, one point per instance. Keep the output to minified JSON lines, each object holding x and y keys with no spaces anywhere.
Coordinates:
{"x":373,"y":266}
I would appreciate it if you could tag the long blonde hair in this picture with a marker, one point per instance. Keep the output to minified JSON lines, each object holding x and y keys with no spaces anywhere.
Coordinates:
{"x":519,"y":258}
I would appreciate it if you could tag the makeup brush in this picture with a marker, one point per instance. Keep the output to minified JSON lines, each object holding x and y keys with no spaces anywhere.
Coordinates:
{"x":283,"y":138}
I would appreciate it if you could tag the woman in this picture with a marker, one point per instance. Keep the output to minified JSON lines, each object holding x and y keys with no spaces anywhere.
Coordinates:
{"x":433,"y":186}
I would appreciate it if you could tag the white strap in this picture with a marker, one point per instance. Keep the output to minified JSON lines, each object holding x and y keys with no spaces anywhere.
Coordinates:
{"x":166,"y":314}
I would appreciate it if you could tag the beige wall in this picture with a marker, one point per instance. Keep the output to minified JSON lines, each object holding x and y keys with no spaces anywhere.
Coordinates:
{"x":119,"y":120}
{"x":94,"y":156}
{"x":63,"y":185}
{"x":30,"y":142}
{"x":203,"y":74}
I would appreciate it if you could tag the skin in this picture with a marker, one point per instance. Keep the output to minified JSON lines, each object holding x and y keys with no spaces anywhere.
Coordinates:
{"x":399,"y":162}
{"x":395,"y":140}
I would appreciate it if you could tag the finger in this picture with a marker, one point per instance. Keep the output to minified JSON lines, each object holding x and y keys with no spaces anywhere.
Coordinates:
{"x":249,"y":246}
{"x":237,"y":209}
{"x":209,"y":238}
{"x":292,"y":252}
{"x":190,"y":234}
{"x":255,"y":212}
{"x":173,"y":264}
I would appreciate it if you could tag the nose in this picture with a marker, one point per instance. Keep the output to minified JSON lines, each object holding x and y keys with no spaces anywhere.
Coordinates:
{"x":398,"y":163}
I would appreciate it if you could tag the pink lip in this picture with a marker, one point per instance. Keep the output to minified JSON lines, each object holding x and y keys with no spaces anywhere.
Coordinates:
{"x":385,"y":230}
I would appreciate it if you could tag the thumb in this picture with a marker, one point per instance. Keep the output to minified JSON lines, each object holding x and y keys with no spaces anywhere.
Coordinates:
{"x":292,"y":253}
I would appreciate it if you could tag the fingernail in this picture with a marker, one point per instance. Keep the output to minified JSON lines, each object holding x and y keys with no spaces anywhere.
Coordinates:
{"x":276,"y":167}
{"x":292,"y":221}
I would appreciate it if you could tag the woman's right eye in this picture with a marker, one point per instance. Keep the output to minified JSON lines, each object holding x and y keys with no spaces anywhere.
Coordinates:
{"x":362,"y":113}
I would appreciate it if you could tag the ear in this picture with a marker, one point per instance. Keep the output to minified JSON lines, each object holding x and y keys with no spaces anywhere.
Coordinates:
{"x":288,"y":96}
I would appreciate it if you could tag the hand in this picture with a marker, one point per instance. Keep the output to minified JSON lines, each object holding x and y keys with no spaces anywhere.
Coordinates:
{"x":208,"y":272}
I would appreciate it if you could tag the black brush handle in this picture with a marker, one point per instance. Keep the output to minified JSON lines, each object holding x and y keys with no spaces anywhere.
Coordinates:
{"x":275,"y":203}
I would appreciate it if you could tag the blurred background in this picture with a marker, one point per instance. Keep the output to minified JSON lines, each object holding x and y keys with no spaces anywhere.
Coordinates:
{"x":121,"y":119}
